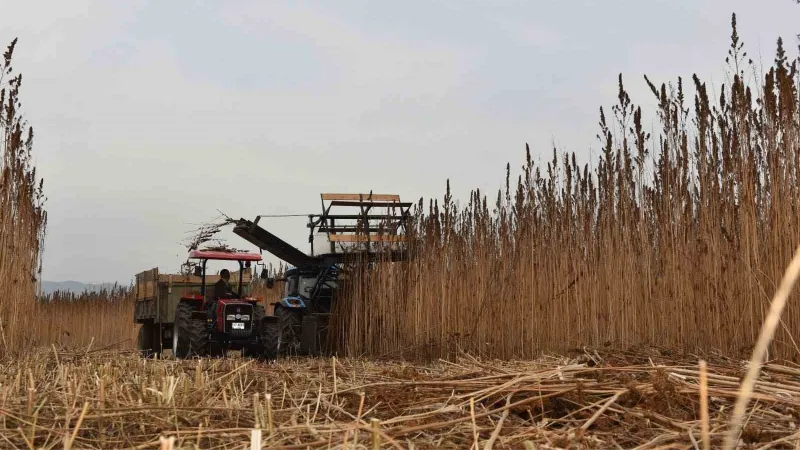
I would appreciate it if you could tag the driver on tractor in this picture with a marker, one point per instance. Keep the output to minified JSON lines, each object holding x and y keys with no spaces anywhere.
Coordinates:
{"x":222,"y":289}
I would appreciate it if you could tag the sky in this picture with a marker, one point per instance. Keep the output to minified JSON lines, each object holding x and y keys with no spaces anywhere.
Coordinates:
{"x":151,"y":117}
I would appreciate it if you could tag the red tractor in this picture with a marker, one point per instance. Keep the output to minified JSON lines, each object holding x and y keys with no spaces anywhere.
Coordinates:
{"x":237,"y":323}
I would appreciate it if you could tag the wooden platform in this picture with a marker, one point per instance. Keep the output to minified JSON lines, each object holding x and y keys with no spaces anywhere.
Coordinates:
{"x":361,"y":197}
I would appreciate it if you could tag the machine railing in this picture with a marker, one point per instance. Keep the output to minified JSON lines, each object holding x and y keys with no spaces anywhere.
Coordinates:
{"x":370,"y":233}
{"x":369,"y":225}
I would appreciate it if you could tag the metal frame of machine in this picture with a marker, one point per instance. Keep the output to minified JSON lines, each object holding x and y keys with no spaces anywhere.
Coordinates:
{"x":303,"y":316}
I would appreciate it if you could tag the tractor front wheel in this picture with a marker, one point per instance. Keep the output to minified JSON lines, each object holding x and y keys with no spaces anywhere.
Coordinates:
{"x":271,"y":339}
{"x":189,"y":336}
{"x":253,"y":350}
{"x":290,"y":324}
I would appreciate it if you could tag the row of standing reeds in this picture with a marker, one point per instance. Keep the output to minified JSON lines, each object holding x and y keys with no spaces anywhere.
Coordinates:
{"x":101,"y":318}
{"x":22,"y":217}
{"x":676,"y":240}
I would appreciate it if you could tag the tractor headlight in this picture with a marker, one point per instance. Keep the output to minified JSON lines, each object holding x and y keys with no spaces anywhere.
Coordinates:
{"x":231,"y":317}
{"x":245,"y":316}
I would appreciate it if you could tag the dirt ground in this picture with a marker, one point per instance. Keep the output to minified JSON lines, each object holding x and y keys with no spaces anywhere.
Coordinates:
{"x":587,"y":399}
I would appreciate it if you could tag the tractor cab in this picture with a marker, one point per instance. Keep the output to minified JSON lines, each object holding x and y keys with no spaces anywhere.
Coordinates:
{"x":309,"y":287}
{"x":300,"y":282}
{"x":245,"y":261}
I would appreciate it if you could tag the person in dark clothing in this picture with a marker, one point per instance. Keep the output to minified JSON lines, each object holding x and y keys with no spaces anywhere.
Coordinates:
{"x":222,"y":289}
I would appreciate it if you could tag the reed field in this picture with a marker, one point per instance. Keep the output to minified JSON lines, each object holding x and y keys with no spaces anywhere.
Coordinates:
{"x":103,"y":318}
{"x":676,"y":239}
{"x":602,"y":305}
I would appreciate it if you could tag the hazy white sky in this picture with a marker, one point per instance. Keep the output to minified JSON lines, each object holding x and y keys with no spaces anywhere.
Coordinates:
{"x":151,"y":116}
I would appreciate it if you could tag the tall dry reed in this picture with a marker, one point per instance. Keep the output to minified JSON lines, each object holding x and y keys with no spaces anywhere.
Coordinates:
{"x":676,"y":240}
{"x":22,"y":216}
{"x":102,"y":318}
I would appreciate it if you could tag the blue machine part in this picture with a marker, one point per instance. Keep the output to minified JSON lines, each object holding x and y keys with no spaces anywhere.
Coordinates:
{"x":293,"y":302}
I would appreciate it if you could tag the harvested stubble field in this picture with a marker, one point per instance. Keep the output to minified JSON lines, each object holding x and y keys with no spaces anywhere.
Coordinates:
{"x":647,"y":398}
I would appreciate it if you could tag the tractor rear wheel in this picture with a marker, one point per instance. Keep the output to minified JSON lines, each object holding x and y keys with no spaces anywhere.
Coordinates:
{"x":189,"y":336}
{"x":253,"y":350}
{"x":290,"y":324}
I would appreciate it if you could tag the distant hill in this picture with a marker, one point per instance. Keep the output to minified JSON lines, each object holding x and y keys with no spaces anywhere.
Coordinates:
{"x":49,"y":287}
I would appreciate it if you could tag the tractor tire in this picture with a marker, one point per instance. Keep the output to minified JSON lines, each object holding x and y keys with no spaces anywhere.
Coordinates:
{"x":146,"y":340}
{"x":290,"y":324}
{"x":217,"y":350}
{"x":189,"y":336}
{"x":254,"y":351}
{"x":271,"y":340}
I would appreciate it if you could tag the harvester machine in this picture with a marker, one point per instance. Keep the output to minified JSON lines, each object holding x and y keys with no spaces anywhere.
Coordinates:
{"x":370,"y":227}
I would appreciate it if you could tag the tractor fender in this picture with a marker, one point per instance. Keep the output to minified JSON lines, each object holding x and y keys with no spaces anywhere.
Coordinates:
{"x":198,"y":313}
{"x":292,"y":302}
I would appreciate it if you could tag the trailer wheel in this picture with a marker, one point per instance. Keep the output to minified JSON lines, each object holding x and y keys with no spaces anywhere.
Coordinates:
{"x":146,"y":340}
{"x":189,"y":337}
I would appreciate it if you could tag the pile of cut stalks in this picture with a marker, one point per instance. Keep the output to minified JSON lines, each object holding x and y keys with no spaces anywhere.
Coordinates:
{"x":646,"y":398}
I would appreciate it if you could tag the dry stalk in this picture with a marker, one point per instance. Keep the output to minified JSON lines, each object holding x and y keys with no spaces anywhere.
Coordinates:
{"x":704,"y":405}
{"x":764,"y":338}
